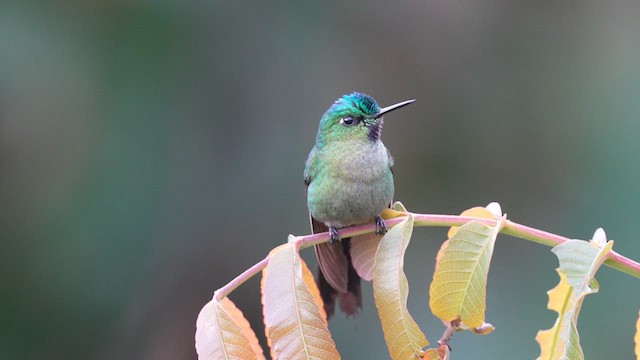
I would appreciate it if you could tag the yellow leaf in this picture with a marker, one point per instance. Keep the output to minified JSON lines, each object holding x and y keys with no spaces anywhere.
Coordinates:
{"x":579,"y":261}
{"x":392,"y":213}
{"x":440,"y":353}
{"x":295,"y":321}
{"x":363,"y":254}
{"x":477,"y":212}
{"x":458,"y":288}
{"x":555,"y":341}
{"x":637,"y":338}
{"x":222,"y":332}
{"x":390,"y":289}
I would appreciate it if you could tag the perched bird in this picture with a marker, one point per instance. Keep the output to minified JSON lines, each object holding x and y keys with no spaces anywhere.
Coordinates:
{"x":349,"y":181}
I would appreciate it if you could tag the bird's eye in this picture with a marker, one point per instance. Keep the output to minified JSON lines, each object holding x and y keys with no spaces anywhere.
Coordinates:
{"x":348,"y":121}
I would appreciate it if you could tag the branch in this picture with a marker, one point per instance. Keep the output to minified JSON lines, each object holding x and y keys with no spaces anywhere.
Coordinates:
{"x":614,"y":260}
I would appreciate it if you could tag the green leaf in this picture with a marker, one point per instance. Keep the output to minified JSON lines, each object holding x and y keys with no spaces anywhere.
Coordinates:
{"x":390,"y":289}
{"x":458,"y":288}
{"x":579,"y":261}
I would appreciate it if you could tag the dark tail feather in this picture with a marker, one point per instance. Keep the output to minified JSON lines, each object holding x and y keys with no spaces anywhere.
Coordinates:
{"x":351,"y":301}
{"x":339,"y":278}
{"x":327,"y":293}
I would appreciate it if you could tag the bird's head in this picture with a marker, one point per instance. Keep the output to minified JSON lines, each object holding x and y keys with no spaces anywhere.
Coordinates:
{"x":354,"y":116}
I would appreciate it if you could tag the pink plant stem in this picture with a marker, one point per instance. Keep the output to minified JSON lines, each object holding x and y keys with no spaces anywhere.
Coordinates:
{"x":614,"y":260}
{"x":624,"y":264}
{"x":240,"y":279}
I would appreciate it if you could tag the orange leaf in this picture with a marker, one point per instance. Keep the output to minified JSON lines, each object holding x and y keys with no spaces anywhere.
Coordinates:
{"x":440,"y":353}
{"x":295,"y":321}
{"x":222,"y":332}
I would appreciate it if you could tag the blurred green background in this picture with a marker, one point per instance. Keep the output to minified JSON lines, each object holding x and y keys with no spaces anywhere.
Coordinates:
{"x":152,"y":151}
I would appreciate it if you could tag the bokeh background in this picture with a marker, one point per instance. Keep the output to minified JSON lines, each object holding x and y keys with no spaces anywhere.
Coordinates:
{"x":152,"y":151}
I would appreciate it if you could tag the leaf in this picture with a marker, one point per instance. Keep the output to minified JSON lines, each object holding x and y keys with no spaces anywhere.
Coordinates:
{"x":599,"y":237}
{"x":495,"y":209}
{"x":390,"y":289}
{"x":295,"y":321}
{"x":364,"y":247}
{"x":458,"y":288}
{"x":637,"y":338}
{"x":222,"y":332}
{"x":440,"y":353}
{"x":560,"y":341}
{"x":398,"y":206}
{"x":490,"y":212}
{"x":393,"y":213}
{"x":579,"y":261}
{"x":363,"y":254}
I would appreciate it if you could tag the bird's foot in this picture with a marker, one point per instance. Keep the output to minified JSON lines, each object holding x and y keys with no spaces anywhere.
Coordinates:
{"x":381,"y":227}
{"x":333,"y":235}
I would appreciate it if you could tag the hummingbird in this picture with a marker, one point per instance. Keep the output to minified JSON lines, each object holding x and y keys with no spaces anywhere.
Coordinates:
{"x":349,"y":181}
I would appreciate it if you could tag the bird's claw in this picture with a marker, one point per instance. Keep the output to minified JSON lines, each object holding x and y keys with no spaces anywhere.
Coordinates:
{"x":381,"y":227}
{"x":333,"y":235}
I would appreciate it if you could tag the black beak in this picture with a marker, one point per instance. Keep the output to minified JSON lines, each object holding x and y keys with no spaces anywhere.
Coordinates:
{"x":392,"y":107}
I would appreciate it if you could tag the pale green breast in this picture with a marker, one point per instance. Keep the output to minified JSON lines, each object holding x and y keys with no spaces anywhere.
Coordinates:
{"x":351,"y":183}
